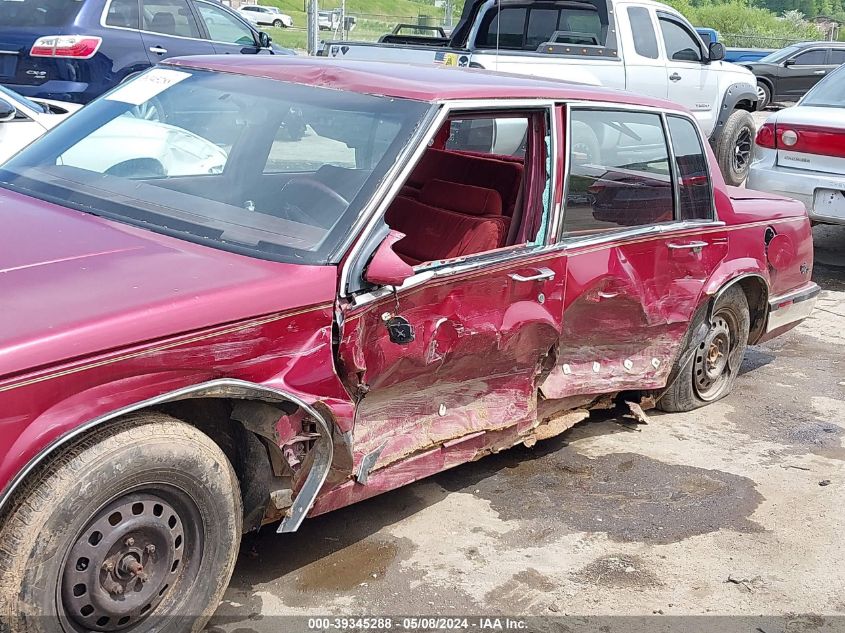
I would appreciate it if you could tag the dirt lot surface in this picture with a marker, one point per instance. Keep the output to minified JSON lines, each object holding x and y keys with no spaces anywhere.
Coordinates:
{"x":735,"y":509}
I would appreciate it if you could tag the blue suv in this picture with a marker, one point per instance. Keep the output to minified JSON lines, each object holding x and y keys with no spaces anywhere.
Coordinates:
{"x":75,"y":50}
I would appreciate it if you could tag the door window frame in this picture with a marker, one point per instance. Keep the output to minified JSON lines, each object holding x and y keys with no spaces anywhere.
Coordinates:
{"x":623,"y":233}
{"x":372,"y":234}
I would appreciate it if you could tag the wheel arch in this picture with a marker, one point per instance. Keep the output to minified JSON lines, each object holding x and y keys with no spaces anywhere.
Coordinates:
{"x":219,"y":389}
{"x":756,"y":290}
{"x":738,"y":96}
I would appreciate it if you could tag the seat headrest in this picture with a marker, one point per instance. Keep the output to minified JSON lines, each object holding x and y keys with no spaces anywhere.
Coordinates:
{"x":465,"y":199}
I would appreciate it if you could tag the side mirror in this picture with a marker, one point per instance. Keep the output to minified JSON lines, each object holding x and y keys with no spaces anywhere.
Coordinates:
{"x":716,"y":51}
{"x":386,"y":268}
{"x":264,"y":39}
{"x":788,"y":63}
{"x":7,"y":111}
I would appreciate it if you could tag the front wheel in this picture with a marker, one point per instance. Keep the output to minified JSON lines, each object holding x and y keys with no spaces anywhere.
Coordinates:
{"x":734,"y":145}
{"x":278,"y":24}
{"x":764,"y":96}
{"x":135,"y":529}
{"x":711,"y":371}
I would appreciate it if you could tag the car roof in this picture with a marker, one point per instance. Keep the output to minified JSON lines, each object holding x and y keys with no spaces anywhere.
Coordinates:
{"x":819,"y":44}
{"x":410,"y":81}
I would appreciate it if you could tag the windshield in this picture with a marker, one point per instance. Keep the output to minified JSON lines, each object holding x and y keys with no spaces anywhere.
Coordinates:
{"x":773,"y":58}
{"x":38,"y":12}
{"x":14,"y":96}
{"x":828,"y":93}
{"x":266,"y":168}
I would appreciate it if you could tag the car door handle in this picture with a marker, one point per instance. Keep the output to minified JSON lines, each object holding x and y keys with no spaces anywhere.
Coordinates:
{"x":675,"y":77}
{"x":158,"y":50}
{"x":542,"y":274}
{"x":692,"y":246}
{"x":819,"y":72}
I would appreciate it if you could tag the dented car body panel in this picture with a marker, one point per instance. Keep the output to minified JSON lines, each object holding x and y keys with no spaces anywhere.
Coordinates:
{"x":355,"y":388}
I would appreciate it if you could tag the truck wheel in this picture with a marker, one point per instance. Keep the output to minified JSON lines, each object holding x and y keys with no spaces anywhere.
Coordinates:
{"x":764,"y":96}
{"x":712,"y":372}
{"x":134,"y":529}
{"x":733,"y":148}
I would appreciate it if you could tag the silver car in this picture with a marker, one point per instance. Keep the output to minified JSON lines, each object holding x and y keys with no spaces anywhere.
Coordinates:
{"x":800,"y":151}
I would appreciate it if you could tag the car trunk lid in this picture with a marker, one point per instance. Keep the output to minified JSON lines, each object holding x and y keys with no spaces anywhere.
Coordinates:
{"x":811,"y":138}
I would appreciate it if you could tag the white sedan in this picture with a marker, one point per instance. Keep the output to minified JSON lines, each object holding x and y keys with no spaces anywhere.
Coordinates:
{"x":800,"y":151}
{"x":23,"y":120}
{"x":265,"y":16}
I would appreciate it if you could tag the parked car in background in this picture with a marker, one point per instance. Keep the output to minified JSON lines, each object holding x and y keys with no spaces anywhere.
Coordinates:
{"x":800,"y":151}
{"x":23,"y":120}
{"x":328,"y":20}
{"x":265,"y":16}
{"x":642,"y":46}
{"x":75,"y":50}
{"x":733,"y":54}
{"x":183,"y":359}
{"x":786,"y":75}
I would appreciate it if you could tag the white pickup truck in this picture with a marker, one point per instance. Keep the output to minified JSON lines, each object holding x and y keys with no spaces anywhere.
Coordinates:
{"x":638,"y":45}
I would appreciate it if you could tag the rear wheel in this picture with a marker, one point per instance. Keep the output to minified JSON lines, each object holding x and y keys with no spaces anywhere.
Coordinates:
{"x":135,"y":529}
{"x":712,"y":371}
{"x":734,"y":145}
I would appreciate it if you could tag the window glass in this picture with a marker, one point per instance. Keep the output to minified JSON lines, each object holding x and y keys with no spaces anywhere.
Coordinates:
{"x":188,"y":161}
{"x":582,"y":25}
{"x":169,"y":17}
{"x":542,"y":23}
{"x":837,"y":56}
{"x":504,"y":28}
{"x":38,"y":12}
{"x":504,"y":136}
{"x":123,"y":13}
{"x":680,"y":45}
{"x":619,"y":172}
{"x":223,"y":27}
{"x":829,"y":92}
{"x":811,"y":58}
{"x":645,"y":41}
{"x":691,"y":164}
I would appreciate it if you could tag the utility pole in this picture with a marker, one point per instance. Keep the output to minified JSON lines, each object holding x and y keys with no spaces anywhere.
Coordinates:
{"x":343,"y":19}
{"x":313,"y":27}
{"x":449,"y":13}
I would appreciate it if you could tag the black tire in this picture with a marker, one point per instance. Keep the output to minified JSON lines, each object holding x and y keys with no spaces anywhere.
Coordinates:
{"x":150,"y":505}
{"x":278,"y":24}
{"x":701,"y":381}
{"x":765,"y":95}
{"x":734,"y":145}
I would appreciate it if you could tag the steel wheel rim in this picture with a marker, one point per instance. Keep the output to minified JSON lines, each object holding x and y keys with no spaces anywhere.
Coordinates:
{"x":113,"y":580}
{"x":715,"y":359}
{"x":742,"y":150}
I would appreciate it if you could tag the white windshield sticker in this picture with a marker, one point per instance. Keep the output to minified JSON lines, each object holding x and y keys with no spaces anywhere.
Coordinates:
{"x":148,"y":86}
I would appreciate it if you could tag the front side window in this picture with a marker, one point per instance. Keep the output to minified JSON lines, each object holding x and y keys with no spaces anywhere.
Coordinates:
{"x":185,"y":153}
{"x":169,"y":17}
{"x":694,"y":187}
{"x":642,"y":29}
{"x":681,"y":45}
{"x":223,"y":27}
{"x":619,"y":173}
{"x":815,"y":57}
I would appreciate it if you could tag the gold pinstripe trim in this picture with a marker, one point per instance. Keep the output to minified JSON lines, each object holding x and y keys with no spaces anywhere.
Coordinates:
{"x":166,"y":346}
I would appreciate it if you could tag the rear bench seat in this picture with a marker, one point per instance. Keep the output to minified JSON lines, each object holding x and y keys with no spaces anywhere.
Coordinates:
{"x":479,"y":170}
{"x":447,"y":220}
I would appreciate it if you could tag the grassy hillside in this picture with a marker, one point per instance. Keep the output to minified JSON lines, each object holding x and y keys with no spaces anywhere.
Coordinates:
{"x":375,"y":17}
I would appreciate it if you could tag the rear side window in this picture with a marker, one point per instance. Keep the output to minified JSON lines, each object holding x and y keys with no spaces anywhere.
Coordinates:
{"x":50,"y":13}
{"x":169,"y":17}
{"x":123,"y":13}
{"x":694,"y":184}
{"x":619,"y":172}
{"x":837,"y":56}
{"x":645,"y":41}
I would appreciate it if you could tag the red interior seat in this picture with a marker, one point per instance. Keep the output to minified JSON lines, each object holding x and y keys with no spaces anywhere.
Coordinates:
{"x":479,"y":170}
{"x":447,"y":220}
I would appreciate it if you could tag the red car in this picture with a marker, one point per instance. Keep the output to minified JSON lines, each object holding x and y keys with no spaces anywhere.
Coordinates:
{"x":273,"y":329}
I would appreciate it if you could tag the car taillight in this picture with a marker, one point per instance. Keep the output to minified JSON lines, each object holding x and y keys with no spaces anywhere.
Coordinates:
{"x":766,"y":136}
{"x":809,"y":139}
{"x":69,"y":46}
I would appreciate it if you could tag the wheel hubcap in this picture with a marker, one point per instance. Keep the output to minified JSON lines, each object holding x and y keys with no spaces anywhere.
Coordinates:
{"x":712,"y":367}
{"x":124,"y":563}
{"x":742,"y":151}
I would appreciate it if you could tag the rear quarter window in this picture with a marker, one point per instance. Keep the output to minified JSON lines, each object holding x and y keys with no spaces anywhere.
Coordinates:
{"x":51,"y":13}
{"x":694,"y":186}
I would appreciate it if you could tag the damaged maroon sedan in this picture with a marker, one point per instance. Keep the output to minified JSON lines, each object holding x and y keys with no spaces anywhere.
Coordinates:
{"x":243,"y":328}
